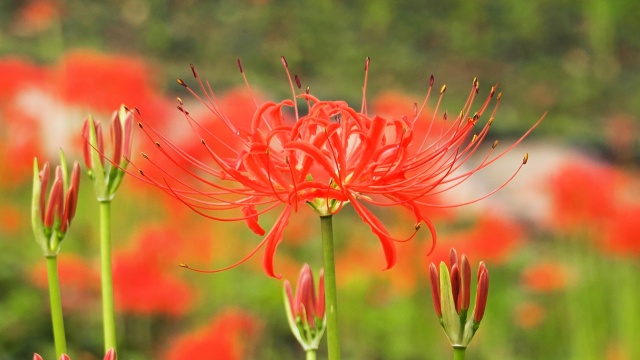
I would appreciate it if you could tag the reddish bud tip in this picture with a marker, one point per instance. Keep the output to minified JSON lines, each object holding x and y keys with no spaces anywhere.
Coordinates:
{"x":367,"y":61}
{"x":453,"y":257}
{"x":240,"y":66}
{"x":37,"y":356}
{"x":455,"y":285}
{"x":481,"y":295}
{"x":465,"y":283}
{"x":110,"y":355}
{"x":435,"y":288}
{"x":431,"y":80}
{"x":64,"y":357}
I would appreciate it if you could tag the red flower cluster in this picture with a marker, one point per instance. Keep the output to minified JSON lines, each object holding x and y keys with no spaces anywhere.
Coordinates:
{"x":332,"y":156}
{"x":227,"y":337}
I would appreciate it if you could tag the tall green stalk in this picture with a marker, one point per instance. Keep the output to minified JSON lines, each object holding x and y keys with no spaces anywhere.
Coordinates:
{"x":108,"y":312}
{"x":459,"y":352}
{"x":59,"y":337}
{"x":331,"y":297}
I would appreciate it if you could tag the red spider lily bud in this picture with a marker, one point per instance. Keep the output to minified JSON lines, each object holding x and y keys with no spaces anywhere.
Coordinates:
{"x":64,"y":357}
{"x":37,"y":357}
{"x":110,"y":355}
{"x":465,"y":284}
{"x":51,"y":216}
{"x":450,"y":290}
{"x":107,"y":175}
{"x":305,"y":311}
{"x":435,"y":288}
{"x":481,"y":294}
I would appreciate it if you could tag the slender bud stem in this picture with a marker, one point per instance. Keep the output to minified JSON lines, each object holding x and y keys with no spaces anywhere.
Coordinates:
{"x":333,"y":344}
{"x":108,"y":312}
{"x":56,"y":306}
{"x":311,"y":355}
{"x":459,"y":352}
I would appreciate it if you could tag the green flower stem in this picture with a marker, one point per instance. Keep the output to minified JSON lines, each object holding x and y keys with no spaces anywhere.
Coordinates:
{"x":108,"y":312}
{"x":458,"y":352}
{"x":311,"y":355}
{"x":331,"y":298}
{"x":59,"y":337}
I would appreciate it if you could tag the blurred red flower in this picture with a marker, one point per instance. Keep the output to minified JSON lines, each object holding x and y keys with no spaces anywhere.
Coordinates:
{"x":493,"y":238}
{"x":529,"y":314}
{"x":145,"y":280}
{"x":546,"y":276}
{"x":230,"y":336}
{"x":621,"y":234}
{"x":79,"y":281}
{"x":583,"y":194}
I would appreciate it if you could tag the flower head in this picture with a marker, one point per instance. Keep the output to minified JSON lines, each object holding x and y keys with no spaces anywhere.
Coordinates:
{"x":451,"y":290}
{"x":332,"y":156}
{"x":51,"y":217}
{"x":305,"y":311}
{"x":107,"y":177}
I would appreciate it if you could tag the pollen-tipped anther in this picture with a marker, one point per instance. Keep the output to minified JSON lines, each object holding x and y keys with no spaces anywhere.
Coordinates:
{"x":431,"y":80}
{"x":443,"y":89}
{"x":495,"y":143}
{"x":367,"y":61}
{"x":525,"y":158}
{"x":284,"y":62}
{"x":181,"y":82}
{"x":297,"y":79}
{"x":193,"y":70}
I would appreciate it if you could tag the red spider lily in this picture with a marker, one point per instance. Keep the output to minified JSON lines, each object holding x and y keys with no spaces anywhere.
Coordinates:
{"x":329,"y":157}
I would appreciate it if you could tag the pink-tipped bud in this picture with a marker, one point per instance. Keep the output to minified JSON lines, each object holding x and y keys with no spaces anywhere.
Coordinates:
{"x":37,"y":356}
{"x":455,"y":284}
{"x":116,"y":138}
{"x":435,"y":288}
{"x":481,"y":294}
{"x":64,"y":357}
{"x":71,"y":199}
{"x":465,"y":283}
{"x":54,"y":205}
{"x":43,"y":175}
{"x":110,"y":355}
{"x":289,"y":292}
{"x":453,"y":257}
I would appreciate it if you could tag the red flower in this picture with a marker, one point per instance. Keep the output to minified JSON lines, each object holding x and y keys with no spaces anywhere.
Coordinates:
{"x":573,"y":207}
{"x":224,"y":338}
{"x":147,"y":285}
{"x":622,"y":232}
{"x":329,"y":157}
{"x":546,"y":277}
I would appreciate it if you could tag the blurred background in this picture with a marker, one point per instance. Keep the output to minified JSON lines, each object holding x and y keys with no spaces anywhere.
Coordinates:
{"x":561,"y":242}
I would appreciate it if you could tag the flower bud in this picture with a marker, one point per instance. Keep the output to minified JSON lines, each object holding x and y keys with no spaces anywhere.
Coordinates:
{"x":305,"y":311}
{"x":451,"y":296}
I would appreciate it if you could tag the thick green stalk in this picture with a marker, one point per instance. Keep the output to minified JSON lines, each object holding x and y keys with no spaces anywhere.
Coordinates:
{"x":108,"y":312}
{"x":458,"y":352}
{"x":331,"y":298}
{"x":59,"y":337}
{"x":311,"y":355}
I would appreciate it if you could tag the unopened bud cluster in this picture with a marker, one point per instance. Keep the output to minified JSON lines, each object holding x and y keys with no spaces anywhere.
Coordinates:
{"x":110,"y":355}
{"x":451,"y":290}
{"x":51,"y":215}
{"x":107,"y":175}
{"x":305,"y":311}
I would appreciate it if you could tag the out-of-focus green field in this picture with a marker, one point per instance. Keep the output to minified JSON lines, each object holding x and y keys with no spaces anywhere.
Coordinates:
{"x":561,"y":242}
